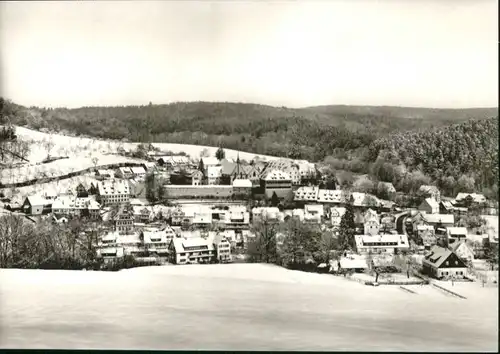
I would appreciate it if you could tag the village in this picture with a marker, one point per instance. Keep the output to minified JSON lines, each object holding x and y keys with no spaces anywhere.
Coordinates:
{"x":173,"y":209}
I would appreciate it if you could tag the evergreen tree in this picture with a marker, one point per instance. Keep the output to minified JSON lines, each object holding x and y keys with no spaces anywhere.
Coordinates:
{"x":220,"y":153}
{"x":151,"y":188}
{"x":347,"y":228}
{"x":274,"y":200}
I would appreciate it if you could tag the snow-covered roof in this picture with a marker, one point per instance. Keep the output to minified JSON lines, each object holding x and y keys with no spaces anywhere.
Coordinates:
{"x":113,"y":187}
{"x":138,"y":170}
{"x":151,"y":236}
{"x":379,"y":240}
{"x":337,"y":212}
{"x":125,"y":169}
{"x":214,"y":171}
{"x":306,"y":193}
{"x":37,"y":200}
{"x":314,"y":208}
{"x":277,"y":175}
{"x":478,"y":198}
{"x":242,"y":183}
{"x":353,"y":263}
{"x":432,"y":203}
{"x":180,"y":244}
{"x":456,"y":231}
{"x":331,"y":196}
{"x":63,"y":202}
{"x":210,"y":161}
{"x":439,"y":218}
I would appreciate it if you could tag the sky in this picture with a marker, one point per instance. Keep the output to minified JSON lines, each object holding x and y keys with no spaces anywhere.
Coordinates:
{"x":441,"y":53}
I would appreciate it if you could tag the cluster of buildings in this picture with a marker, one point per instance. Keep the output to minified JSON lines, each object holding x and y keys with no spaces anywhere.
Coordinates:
{"x":210,"y":230}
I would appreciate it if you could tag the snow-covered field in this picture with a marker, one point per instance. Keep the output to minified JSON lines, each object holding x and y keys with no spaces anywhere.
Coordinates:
{"x":236,"y":307}
{"x":82,"y":151}
{"x":51,"y":188}
{"x":59,"y":167}
{"x":64,"y":143}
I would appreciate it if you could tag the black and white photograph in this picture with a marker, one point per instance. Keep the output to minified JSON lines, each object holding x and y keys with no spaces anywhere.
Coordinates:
{"x":302,"y":175}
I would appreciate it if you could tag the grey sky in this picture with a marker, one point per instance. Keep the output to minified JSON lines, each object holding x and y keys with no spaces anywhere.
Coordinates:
{"x":295,"y":53}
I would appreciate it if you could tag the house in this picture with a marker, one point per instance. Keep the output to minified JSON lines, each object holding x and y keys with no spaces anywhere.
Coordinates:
{"x":104,"y":174}
{"x":124,"y":220}
{"x":76,"y":206}
{"x":286,"y":166}
{"x":124,"y":172}
{"x":197,"y":178}
{"x":473,"y":197}
{"x":447,"y":207}
{"x":213,"y":173}
{"x":429,"y":206}
{"x":443,"y":263}
{"x":313,"y":213}
{"x":436,"y":220}
{"x":306,"y":169}
{"x":156,"y":242}
{"x":431,"y":192}
{"x":202,"y":216}
{"x":362,"y":201}
{"x":351,"y":263}
{"x":381,"y":243}
{"x":36,"y":205}
{"x":275,"y":181}
{"x":336,"y":215}
{"x":306,"y":194}
{"x":463,"y":250}
{"x":143,"y":214}
{"x":227,"y":168}
{"x":112,"y":192}
{"x":371,"y":223}
{"x":191,"y":250}
{"x":250,"y":172}
{"x":269,"y":214}
{"x":207,"y":162}
{"x":173,"y":161}
{"x":237,"y":217}
{"x":242,"y":187}
{"x":222,"y":247}
{"x":454,"y":234}
{"x":138,"y":172}
{"x":332,"y":196}
{"x":426,"y":234}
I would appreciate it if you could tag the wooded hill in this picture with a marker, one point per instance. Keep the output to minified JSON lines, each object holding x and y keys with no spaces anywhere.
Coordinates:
{"x":362,"y":139}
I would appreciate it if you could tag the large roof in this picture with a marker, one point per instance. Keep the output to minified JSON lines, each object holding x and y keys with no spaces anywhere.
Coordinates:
{"x":113,"y":187}
{"x":210,"y":161}
{"x":331,"y":196}
{"x":37,"y":200}
{"x":439,"y":218}
{"x":478,"y":198}
{"x":306,"y":193}
{"x":401,"y":240}
{"x":277,"y":175}
{"x":457,"y":230}
{"x":432,"y":203}
{"x":437,"y":256}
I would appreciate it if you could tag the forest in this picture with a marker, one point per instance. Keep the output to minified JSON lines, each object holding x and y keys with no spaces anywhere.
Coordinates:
{"x":456,"y":149}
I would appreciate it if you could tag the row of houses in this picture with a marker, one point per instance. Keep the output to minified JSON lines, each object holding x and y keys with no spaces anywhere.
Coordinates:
{"x":164,"y":244}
